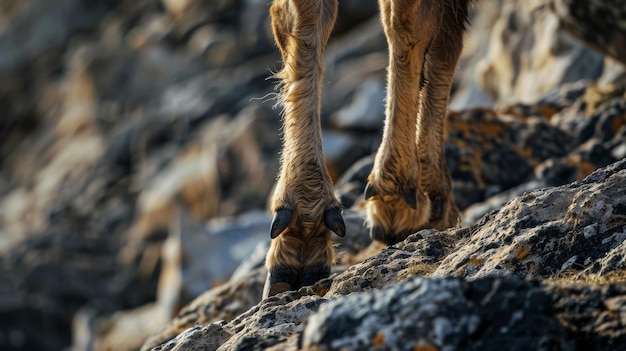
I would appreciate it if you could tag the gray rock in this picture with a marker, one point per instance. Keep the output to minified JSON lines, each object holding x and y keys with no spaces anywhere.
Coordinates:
{"x":554,"y":233}
{"x":593,"y":314}
{"x":50,"y":27}
{"x":542,"y":233}
{"x":489,"y":151}
{"x":222,"y":303}
{"x":350,"y":187}
{"x":357,"y":235}
{"x":217,"y":250}
{"x":254,"y":261}
{"x":443,"y":314}
{"x":209,"y":337}
{"x":522,"y":54}
{"x":366,"y":111}
{"x":342,"y":149}
{"x":599,"y":25}
{"x":244,"y":289}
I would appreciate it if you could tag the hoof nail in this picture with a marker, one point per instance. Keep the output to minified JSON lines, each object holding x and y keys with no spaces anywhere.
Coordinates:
{"x":281,"y":220}
{"x":281,"y":279}
{"x":311,"y":275}
{"x":277,"y":288}
{"x":334,"y":221}
{"x":410,"y":198}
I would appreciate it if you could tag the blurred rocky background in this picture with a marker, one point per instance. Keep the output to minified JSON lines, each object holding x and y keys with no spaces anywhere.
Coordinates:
{"x":139,"y":141}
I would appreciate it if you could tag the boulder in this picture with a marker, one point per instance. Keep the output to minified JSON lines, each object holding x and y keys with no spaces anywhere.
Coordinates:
{"x":599,"y":24}
{"x":466,"y":288}
{"x":523,"y":54}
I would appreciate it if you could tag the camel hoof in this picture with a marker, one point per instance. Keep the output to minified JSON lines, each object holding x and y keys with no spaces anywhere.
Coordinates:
{"x":334,"y":221}
{"x":280,"y":222}
{"x":280,"y":279}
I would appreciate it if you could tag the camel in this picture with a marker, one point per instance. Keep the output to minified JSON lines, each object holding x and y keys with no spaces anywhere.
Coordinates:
{"x":409,"y":187}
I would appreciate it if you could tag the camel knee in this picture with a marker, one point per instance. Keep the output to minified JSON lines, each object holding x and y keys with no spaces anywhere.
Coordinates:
{"x":410,"y":24}
{"x":302,"y":23}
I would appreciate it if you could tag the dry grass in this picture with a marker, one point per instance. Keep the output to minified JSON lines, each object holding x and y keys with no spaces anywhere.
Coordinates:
{"x":591,"y":279}
{"x":420,"y":269}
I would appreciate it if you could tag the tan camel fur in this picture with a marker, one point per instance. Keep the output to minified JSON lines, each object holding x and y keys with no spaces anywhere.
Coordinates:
{"x":409,"y":187}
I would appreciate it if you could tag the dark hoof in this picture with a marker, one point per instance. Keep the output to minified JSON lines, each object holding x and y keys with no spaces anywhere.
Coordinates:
{"x":281,"y":279}
{"x":437,"y":208}
{"x":379,"y":234}
{"x":280,"y":222}
{"x":311,"y":275}
{"x":410,"y":198}
{"x":334,"y":221}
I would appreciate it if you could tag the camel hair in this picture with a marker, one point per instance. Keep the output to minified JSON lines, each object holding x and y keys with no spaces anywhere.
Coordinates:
{"x":409,"y":187}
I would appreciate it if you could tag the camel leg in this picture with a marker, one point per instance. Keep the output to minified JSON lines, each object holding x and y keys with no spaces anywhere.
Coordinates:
{"x":440,"y":65}
{"x":398,"y":204}
{"x":304,"y":206}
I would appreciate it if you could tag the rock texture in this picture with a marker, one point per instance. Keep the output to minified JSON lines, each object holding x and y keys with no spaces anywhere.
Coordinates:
{"x":574,"y":229}
{"x":139,"y":142}
{"x":571,"y":237}
{"x":524,"y":53}
{"x":598,"y":24}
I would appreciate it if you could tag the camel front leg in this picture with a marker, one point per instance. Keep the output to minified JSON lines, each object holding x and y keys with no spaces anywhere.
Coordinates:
{"x":440,"y":65}
{"x":304,"y":206}
{"x":397,"y":206}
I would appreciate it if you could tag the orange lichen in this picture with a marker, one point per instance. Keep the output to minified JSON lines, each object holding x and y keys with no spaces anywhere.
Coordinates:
{"x":378,"y":340}
{"x":546,"y":111}
{"x":322,"y":292}
{"x":617,"y":123}
{"x":584,"y":169}
{"x":493,"y":129}
{"x":522,"y":253}
{"x":475,"y":262}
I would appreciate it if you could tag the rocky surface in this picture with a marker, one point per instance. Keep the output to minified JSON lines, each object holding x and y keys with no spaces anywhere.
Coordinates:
{"x":139,"y":141}
{"x":597,"y":23}
{"x":546,"y":272}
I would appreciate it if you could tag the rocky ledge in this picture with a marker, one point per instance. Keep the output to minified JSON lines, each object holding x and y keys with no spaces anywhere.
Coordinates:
{"x":546,"y":272}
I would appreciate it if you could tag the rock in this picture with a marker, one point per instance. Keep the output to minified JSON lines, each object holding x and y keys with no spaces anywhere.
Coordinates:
{"x":366,"y":112}
{"x":351,"y":59}
{"x":489,"y":152}
{"x":343,"y":149}
{"x":550,"y":232}
{"x":244,"y":288}
{"x":523,"y":55}
{"x":222,"y":303}
{"x":181,"y":282}
{"x":353,"y":12}
{"x":211,"y":173}
{"x":50,"y":28}
{"x":124,"y":330}
{"x":350,"y":187}
{"x":253,"y":263}
{"x":357,"y":236}
{"x":594,"y":314}
{"x":599,"y":25}
{"x":384,"y":303}
{"x":577,"y":109}
{"x":444,"y":314}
